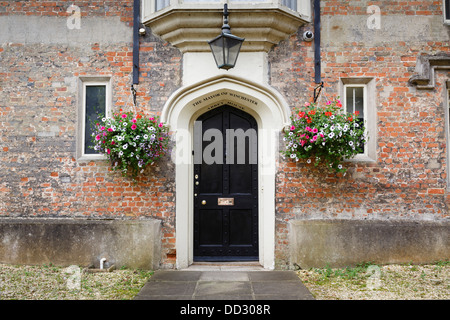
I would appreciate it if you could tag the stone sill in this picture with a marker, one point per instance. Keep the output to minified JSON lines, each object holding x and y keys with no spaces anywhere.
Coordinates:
{"x":190,"y":28}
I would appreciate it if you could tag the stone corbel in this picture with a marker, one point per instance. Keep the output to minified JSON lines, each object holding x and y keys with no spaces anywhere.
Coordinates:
{"x":425,"y":68}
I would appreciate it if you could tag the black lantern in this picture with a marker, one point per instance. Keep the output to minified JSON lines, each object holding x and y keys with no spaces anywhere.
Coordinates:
{"x":225,"y":47}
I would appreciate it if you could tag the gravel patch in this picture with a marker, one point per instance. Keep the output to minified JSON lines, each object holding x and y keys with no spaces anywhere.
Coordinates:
{"x":371,"y":282}
{"x":366,"y":282}
{"x":71,"y":283}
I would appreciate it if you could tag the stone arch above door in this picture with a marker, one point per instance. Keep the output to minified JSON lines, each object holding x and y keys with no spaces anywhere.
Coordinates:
{"x":271,"y":112}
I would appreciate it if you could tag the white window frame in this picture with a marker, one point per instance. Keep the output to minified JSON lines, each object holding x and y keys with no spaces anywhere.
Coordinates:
{"x":83,"y":83}
{"x":445,"y":6}
{"x":364,"y":154}
{"x":370,"y":115}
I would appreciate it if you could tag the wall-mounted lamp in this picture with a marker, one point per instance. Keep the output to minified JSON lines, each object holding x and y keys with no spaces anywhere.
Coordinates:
{"x":225,"y":47}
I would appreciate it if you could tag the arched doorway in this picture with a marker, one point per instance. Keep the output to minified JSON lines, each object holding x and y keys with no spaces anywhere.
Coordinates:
{"x":226,"y":186}
{"x":271,"y":113}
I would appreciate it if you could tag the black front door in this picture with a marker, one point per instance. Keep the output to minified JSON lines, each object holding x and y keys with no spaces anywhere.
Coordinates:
{"x":225,"y":186}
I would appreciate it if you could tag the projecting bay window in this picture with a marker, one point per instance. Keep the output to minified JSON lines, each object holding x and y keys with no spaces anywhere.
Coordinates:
{"x":357,"y":96}
{"x":161,"y":4}
{"x":94,"y":100}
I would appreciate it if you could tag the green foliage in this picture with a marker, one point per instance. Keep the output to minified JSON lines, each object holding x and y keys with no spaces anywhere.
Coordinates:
{"x":324,"y":135}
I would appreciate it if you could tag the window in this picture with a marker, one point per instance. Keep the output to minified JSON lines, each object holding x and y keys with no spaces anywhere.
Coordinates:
{"x":94,"y":100}
{"x":358,"y":95}
{"x":291,"y":4}
{"x":446,"y":11}
{"x":355,"y":102}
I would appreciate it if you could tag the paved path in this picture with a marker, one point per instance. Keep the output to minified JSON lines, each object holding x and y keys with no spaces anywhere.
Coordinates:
{"x":218,"y":284}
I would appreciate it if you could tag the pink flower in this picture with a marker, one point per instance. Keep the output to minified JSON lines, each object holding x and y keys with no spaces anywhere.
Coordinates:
{"x":292,"y":128}
{"x":152,"y":118}
{"x":109,"y":151}
{"x":124,"y":116}
{"x":307,"y":104}
{"x":102,"y":128}
{"x":104,"y":134}
{"x":160,"y":125}
{"x":97,"y":137}
{"x":110,"y":129}
{"x":315,"y":130}
{"x":321,"y":135}
{"x":133,"y":127}
{"x":308,"y":129}
{"x":134,"y":120}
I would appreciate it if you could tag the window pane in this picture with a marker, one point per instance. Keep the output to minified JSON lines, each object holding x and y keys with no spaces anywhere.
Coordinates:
{"x":447,"y":9}
{"x":161,"y":4}
{"x":291,"y":4}
{"x":355,"y":100}
{"x":95,"y":105}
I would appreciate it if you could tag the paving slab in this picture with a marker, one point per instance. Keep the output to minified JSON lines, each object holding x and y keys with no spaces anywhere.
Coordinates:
{"x":217,"y":284}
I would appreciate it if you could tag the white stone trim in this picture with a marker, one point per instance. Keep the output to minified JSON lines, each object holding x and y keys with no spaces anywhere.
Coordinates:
{"x":271,"y":112}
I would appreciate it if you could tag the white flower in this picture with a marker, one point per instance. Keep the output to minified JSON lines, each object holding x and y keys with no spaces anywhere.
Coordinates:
{"x":331,"y":135}
{"x":125,"y":146}
{"x":125,"y":124}
{"x":145,"y":136}
{"x":120,"y":153}
{"x":309,"y":160}
{"x":340,"y":166}
{"x":292,"y":155}
{"x":103,"y":119}
{"x":350,"y":143}
{"x":290,"y":133}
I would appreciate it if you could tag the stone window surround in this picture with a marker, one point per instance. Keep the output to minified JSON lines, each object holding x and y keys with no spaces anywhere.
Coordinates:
{"x":81,"y":107}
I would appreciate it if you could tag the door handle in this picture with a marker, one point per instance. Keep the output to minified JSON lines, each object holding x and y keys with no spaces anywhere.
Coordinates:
{"x":203,"y":202}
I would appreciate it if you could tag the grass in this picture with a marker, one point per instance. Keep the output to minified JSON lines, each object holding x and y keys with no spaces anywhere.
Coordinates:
{"x":368,"y":281}
{"x":49,"y":282}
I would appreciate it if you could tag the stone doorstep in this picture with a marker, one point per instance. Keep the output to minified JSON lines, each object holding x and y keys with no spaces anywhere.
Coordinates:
{"x":216,"y":285}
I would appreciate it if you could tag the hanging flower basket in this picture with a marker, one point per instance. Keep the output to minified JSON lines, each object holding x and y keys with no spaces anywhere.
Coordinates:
{"x":131,"y":142}
{"x":324,"y":135}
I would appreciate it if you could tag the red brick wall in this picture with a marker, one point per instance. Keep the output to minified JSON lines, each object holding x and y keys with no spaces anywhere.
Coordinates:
{"x":39,"y":173}
{"x":40,"y":176}
{"x":409,"y":177}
